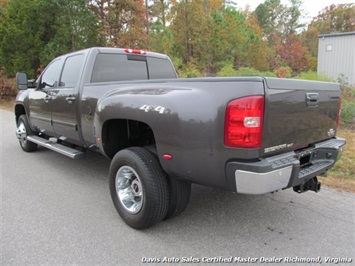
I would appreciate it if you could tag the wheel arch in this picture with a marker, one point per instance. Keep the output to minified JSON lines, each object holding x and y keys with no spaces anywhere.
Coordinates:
{"x":19,"y":110}
{"x":118,"y":134}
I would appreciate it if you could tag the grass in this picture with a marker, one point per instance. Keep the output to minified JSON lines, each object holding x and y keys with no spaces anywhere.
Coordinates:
{"x":311,"y":75}
{"x":340,"y":177}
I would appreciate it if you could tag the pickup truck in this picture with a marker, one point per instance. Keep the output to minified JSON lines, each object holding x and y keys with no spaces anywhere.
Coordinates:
{"x":249,"y":135}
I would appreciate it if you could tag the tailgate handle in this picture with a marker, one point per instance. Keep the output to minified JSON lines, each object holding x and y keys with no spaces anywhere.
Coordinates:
{"x":312,"y":98}
{"x":70,"y":99}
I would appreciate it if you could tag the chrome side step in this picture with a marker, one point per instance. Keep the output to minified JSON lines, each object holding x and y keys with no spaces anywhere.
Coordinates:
{"x":72,"y":153}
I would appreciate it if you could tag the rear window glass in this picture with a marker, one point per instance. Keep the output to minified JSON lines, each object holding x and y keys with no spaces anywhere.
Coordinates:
{"x":116,"y":67}
{"x":121,"y":67}
{"x":160,"y":68}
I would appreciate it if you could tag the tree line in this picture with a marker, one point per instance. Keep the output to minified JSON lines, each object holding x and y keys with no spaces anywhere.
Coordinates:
{"x":202,"y":37}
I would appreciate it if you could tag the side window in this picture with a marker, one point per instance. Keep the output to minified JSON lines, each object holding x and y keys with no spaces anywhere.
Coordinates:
{"x":51,"y":75}
{"x":72,"y":70}
{"x":117,"y":67}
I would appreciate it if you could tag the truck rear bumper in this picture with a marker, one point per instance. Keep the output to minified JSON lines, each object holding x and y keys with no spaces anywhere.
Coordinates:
{"x":285,"y":170}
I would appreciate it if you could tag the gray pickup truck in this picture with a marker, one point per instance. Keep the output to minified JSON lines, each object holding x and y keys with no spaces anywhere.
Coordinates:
{"x":250,"y":135}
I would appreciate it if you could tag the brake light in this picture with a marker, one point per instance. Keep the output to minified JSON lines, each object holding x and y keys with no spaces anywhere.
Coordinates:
{"x":135,"y":51}
{"x":339,"y":113}
{"x":244,"y":122}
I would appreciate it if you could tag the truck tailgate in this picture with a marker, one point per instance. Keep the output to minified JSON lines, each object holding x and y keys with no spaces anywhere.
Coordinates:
{"x":298,"y":113}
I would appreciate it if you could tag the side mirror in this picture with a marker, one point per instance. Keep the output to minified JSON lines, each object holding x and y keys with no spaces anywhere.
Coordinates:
{"x":21,"y":81}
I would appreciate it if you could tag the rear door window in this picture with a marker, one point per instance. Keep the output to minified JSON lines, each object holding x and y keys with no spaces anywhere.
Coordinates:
{"x":72,"y":70}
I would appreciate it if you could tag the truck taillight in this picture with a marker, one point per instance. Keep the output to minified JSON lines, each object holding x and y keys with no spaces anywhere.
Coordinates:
{"x":244,"y":122}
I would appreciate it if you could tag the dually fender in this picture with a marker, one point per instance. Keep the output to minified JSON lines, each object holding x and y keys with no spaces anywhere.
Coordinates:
{"x":187,"y":121}
{"x":183,"y":120}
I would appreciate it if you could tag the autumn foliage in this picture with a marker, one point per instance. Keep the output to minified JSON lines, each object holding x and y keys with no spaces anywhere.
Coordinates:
{"x":202,"y":37}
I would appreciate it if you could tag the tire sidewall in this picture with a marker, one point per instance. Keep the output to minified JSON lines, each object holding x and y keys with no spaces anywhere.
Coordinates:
{"x":143,"y":218}
{"x":28,"y":146}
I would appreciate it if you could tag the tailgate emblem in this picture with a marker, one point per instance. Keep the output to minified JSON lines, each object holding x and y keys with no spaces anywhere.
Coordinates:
{"x":331,"y":132}
{"x":278,"y":147}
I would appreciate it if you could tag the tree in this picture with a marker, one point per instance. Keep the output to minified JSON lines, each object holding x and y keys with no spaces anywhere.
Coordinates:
{"x":332,"y":19}
{"x":122,"y":22}
{"x":190,"y":31}
{"x":255,"y":47}
{"x":309,"y":38}
{"x":228,"y":37}
{"x":75,"y":28}
{"x":292,"y":53}
{"x":24,"y":31}
{"x":335,"y":18}
{"x":161,"y":39}
{"x":33,"y":32}
{"x":276,"y":17}
{"x":159,"y":11}
{"x":292,"y":18}
{"x":3,"y":4}
{"x":160,"y":36}
{"x":271,"y":15}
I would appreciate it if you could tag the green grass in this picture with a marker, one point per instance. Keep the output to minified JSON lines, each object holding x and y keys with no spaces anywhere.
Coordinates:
{"x":346,"y":165}
{"x":311,"y":75}
{"x":342,"y":175}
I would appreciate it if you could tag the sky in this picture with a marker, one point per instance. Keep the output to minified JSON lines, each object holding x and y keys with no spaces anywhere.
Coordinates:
{"x":311,"y":7}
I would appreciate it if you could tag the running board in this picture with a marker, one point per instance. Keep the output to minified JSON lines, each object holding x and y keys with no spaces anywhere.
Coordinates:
{"x":72,"y":153}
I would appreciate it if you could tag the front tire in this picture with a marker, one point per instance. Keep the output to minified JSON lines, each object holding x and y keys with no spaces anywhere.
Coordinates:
{"x":23,"y":130}
{"x":139,"y":187}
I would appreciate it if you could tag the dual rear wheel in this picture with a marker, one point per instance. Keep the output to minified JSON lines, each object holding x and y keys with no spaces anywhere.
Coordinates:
{"x":142,"y":193}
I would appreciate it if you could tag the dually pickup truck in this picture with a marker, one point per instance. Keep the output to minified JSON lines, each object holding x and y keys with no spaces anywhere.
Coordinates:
{"x":250,"y":135}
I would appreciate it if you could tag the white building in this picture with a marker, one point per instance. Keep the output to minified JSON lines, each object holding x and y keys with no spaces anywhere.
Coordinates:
{"x":336,"y":55}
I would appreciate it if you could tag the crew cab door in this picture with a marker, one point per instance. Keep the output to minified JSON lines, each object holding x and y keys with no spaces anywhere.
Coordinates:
{"x":40,"y":98}
{"x":65,"y":100}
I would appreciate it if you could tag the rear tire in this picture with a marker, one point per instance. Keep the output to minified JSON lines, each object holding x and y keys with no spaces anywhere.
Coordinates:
{"x":180,"y":192}
{"x":139,"y":187}
{"x":23,"y":130}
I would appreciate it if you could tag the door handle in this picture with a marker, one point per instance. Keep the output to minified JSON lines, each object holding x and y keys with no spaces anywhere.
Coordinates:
{"x":70,"y":99}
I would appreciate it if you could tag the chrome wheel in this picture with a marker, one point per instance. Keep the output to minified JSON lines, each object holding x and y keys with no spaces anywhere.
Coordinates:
{"x":138,"y":187}
{"x":129,"y":189}
{"x":22,"y":134}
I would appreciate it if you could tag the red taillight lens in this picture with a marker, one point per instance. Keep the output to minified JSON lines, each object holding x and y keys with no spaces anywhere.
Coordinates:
{"x":244,"y":122}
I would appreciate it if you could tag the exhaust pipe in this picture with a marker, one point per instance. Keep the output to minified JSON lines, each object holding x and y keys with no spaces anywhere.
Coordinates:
{"x":311,"y":184}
